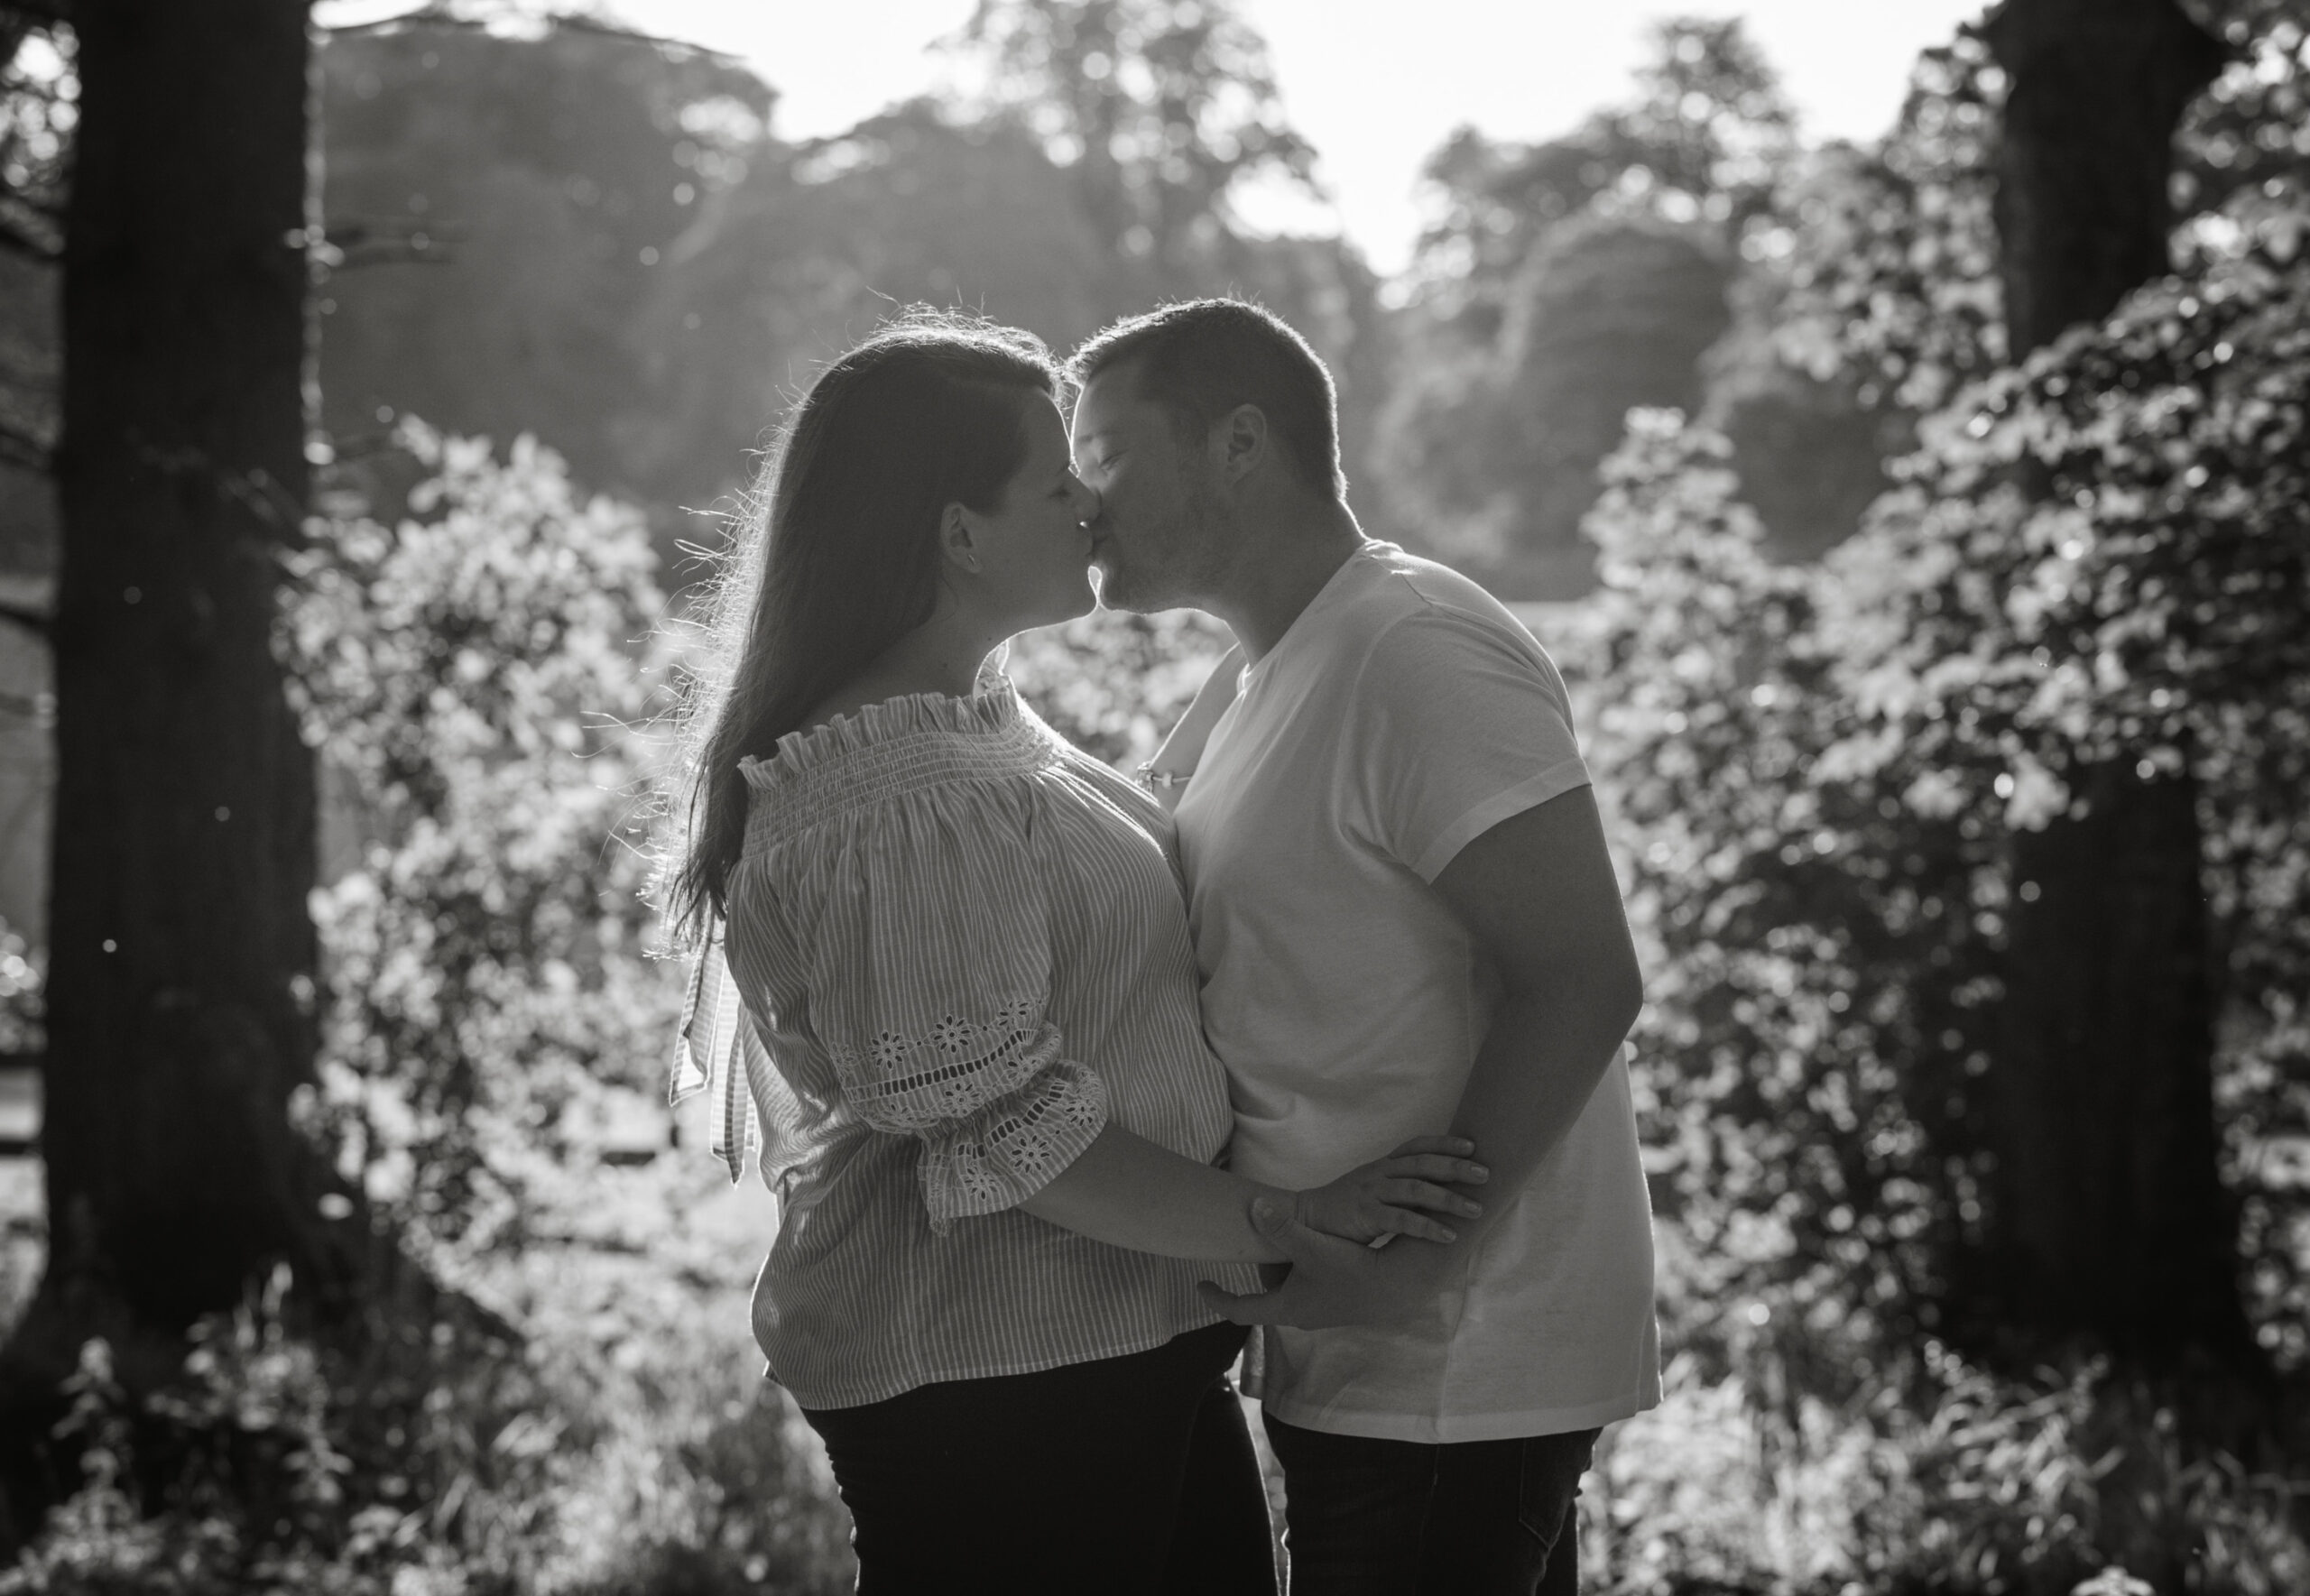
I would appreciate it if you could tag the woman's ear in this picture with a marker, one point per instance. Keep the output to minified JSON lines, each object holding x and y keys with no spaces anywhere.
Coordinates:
{"x":956,"y":540}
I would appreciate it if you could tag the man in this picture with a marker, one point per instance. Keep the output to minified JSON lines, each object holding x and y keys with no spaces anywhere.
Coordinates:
{"x":1406,"y":921}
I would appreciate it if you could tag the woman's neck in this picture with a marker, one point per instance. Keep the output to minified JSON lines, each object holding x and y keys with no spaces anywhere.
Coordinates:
{"x":942,"y":655}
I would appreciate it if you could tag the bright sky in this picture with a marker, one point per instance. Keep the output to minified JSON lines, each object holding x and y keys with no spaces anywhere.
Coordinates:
{"x":1375,"y":85}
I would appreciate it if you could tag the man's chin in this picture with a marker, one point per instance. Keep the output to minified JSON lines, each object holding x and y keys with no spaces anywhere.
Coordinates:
{"x":1119,"y":588}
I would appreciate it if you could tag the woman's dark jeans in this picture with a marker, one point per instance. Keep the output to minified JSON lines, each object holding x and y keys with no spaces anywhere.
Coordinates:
{"x":1366,"y":1517}
{"x":1131,"y":1475}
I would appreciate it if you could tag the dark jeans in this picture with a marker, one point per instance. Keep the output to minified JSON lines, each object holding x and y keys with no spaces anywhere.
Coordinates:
{"x":1131,"y":1475}
{"x":1366,"y":1517}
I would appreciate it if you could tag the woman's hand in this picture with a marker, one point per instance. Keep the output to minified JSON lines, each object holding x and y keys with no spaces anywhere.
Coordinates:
{"x":1399,"y":1195}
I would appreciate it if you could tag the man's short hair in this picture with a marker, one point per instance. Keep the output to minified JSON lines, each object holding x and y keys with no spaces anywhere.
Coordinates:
{"x":1200,"y":358}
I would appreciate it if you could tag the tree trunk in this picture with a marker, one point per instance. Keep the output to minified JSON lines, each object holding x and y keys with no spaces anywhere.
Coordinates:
{"x":180,"y":986}
{"x":2112,"y":1230}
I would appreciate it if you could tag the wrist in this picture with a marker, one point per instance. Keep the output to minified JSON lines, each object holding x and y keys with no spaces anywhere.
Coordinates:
{"x":1283,"y":1210}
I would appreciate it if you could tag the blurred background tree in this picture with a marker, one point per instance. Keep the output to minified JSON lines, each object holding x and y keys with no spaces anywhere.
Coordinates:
{"x":179,"y":1001}
{"x":1958,"y":845}
{"x":1565,"y":282}
{"x":1157,"y":108}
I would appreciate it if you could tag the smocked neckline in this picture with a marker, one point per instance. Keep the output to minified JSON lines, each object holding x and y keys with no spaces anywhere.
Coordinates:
{"x":993,"y":708}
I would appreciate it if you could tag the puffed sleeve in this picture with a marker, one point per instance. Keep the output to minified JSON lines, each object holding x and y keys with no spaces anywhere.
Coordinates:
{"x":929,"y":978}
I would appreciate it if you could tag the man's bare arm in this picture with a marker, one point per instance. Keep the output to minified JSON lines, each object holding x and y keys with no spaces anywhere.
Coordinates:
{"x":1538,"y":894}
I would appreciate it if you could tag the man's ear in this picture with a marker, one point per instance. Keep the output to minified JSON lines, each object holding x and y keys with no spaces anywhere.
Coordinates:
{"x":956,"y":541}
{"x":1240,"y":441}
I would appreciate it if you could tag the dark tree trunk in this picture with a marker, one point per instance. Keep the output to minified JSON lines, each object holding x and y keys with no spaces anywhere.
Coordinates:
{"x":180,"y":990}
{"x":2112,"y":1230}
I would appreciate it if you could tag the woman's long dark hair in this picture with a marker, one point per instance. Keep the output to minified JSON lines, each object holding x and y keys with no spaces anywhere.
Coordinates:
{"x":840,"y":559}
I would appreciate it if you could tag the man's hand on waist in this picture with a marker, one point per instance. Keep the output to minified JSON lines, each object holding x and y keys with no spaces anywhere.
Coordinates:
{"x":1334,"y":1282}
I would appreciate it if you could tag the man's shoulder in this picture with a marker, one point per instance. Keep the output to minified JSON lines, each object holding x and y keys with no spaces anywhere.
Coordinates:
{"x":1408,"y":605}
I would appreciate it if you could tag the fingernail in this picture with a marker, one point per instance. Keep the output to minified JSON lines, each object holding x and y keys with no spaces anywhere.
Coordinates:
{"x":1268,"y":1212}
{"x":1449,"y":1235}
{"x":1477,"y":1172}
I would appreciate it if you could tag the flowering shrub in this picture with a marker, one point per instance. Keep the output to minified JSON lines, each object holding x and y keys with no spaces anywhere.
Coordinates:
{"x":1929,"y":1476}
{"x":21,"y":972}
{"x":1813,"y":962}
{"x":2097,"y":562}
{"x":1112,"y":682}
{"x":443,"y":1466}
{"x":475,"y":674}
{"x":2102,"y":557}
{"x":586,"y":1413}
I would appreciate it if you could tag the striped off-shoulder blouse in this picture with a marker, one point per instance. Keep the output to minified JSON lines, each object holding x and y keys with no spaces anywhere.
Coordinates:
{"x":958,"y":947}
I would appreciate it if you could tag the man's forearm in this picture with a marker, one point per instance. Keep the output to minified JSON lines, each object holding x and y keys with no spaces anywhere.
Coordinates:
{"x":1549,"y":1044}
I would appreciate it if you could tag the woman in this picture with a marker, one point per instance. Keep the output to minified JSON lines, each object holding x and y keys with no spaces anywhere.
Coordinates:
{"x":964,"y":944}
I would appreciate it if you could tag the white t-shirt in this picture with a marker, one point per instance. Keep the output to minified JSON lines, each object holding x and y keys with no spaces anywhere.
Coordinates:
{"x":1402,"y":715}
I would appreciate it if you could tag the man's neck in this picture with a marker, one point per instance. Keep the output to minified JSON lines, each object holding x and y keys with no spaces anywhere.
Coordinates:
{"x":1282,"y":571}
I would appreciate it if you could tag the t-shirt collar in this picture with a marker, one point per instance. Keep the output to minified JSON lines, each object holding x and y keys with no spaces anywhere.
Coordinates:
{"x":1328,"y":594}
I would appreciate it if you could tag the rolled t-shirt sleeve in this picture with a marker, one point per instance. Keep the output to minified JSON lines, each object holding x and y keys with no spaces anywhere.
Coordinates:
{"x":1464,"y":722}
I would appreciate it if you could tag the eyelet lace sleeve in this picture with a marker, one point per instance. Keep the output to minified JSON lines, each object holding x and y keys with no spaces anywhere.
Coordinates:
{"x":928,"y":991}
{"x":999,"y":1110}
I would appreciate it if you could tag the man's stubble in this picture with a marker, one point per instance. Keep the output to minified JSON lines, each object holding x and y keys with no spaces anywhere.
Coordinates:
{"x":1182,"y":567}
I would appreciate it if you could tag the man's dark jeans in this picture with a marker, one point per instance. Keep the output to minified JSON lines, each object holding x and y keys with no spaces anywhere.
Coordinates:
{"x":1366,"y":1517}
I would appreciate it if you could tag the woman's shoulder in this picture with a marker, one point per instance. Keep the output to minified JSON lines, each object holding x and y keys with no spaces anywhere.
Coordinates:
{"x":862,"y":764}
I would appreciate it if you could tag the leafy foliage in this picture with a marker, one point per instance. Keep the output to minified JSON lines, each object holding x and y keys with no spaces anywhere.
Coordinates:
{"x":501,"y":213}
{"x":1815,"y":977}
{"x":475,"y":671}
{"x":1493,"y":456}
{"x":588,"y":237}
{"x":21,"y":968}
{"x":2249,"y":133}
{"x":443,"y":1463}
{"x":472,"y":672}
{"x":1891,"y":252}
{"x":1630,"y":262}
{"x":39,"y":100}
{"x":1923,"y":1474}
{"x":1113,"y":683}
{"x":39,"y":107}
{"x":2101,"y":555}
{"x":1158,"y":108}
{"x":1703,"y":138}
